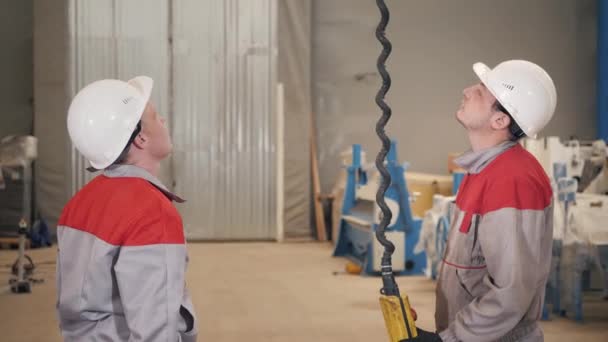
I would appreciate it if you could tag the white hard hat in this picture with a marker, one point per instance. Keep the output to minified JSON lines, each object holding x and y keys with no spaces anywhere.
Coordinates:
{"x":524,"y":89}
{"x":103,"y":116}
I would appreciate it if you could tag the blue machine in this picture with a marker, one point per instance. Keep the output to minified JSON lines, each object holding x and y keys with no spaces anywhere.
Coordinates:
{"x":360,"y":219}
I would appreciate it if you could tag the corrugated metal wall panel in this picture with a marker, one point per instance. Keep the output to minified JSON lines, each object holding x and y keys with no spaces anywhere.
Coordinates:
{"x":143,"y":48}
{"x":224,"y":117}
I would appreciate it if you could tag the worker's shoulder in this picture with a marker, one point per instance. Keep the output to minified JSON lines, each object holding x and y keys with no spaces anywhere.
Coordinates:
{"x":131,"y":192}
{"x":517,"y":165}
{"x":517,"y":180}
{"x":123,"y":211}
{"x":107,"y":193}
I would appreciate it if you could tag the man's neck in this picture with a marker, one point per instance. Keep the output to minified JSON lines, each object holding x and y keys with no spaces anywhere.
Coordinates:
{"x":481,"y":141}
{"x":152,"y":167}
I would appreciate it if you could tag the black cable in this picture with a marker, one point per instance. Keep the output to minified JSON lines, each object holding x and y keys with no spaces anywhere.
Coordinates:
{"x":389,"y":285}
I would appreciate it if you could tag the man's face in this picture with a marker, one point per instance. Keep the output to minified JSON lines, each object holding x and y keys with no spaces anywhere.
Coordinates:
{"x":477,"y":107}
{"x":155,"y":130}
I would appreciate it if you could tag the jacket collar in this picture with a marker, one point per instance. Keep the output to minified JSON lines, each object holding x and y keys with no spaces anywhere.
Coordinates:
{"x":475,"y":161}
{"x":137,"y":172}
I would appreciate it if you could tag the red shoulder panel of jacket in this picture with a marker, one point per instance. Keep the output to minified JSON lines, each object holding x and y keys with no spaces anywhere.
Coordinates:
{"x":124,"y":212}
{"x":514,"y":179}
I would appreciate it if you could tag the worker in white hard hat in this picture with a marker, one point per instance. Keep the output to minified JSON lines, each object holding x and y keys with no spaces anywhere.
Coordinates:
{"x":122,"y":254}
{"x":491,"y":282}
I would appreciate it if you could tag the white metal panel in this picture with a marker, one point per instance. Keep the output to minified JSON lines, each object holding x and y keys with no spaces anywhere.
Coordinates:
{"x":224,"y":70}
{"x":115,"y":39}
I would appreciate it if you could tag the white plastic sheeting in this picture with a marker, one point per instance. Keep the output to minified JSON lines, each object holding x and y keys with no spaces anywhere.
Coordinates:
{"x":588,"y":220}
{"x":17,"y":152}
{"x":429,"y":241}
{"x":585,"y":237}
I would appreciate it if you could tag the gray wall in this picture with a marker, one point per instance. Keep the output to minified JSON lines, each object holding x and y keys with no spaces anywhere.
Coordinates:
{"x":294,"y":34}
{"x":51,"y":103}
{"x":435,"y":43}
{"x":16,"y":68}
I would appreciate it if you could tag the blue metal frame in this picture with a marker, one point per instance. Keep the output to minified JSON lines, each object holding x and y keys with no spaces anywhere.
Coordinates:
{"x":356,"y":243}
{"x":602,"y":69}
{"x":457,"y":178}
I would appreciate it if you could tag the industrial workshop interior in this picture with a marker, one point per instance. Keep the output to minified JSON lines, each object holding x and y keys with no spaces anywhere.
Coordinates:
{"x":303,"y":170}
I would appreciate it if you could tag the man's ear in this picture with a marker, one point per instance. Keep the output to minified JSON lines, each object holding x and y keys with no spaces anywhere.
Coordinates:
{"x":140,"y":141}
{"x":500,"y":120}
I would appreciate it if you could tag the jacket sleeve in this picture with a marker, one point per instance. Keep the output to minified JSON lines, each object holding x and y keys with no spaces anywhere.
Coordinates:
{"x":150,"y":274}
{"x":516,"y":243}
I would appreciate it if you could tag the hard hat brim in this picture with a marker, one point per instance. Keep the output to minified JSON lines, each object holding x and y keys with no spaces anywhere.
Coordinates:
{"x":481,"y":70}
{"x":144,"y":85}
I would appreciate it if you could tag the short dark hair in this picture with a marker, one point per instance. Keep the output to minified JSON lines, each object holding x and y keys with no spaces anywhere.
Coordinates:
{"x":122,"y":158}
{"x":515,"y":131}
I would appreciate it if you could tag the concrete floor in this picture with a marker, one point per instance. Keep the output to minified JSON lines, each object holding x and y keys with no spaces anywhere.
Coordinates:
{"x":269,"y":292}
